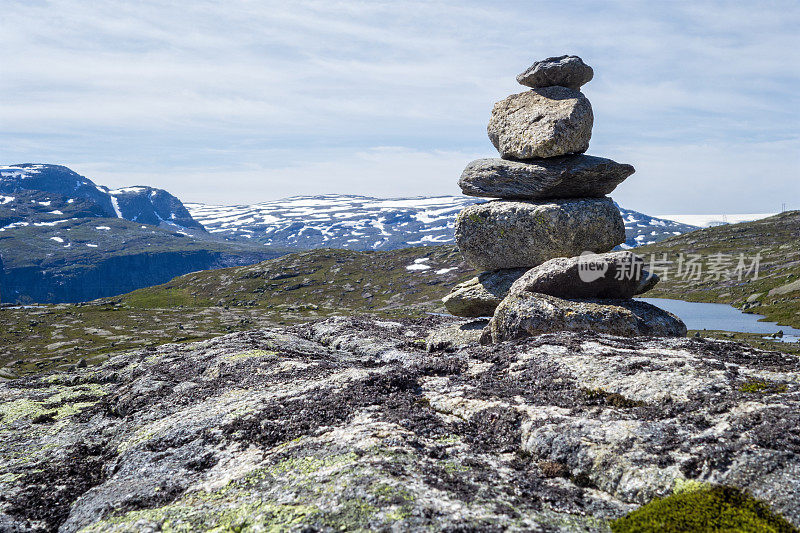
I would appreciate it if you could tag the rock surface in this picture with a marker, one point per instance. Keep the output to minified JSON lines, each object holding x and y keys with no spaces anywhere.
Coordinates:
{"x":524,"y":314}
{"x":545,"y":122}
{"x":515,"y":234}
{"x":481,"y":295}
{"x":567,"y":71}
{"x":350,"y":424}
{"x":571,"y":176}
{"x":615,"y":275}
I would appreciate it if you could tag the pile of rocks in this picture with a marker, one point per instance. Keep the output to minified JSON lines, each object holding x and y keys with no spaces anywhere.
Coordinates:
{"x":542,"y":247}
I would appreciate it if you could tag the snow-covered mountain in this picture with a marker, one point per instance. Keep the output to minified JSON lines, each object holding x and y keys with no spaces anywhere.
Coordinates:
{"x":364,"y":223}
{"x":65,"y":187}
{"x":64,"y":238}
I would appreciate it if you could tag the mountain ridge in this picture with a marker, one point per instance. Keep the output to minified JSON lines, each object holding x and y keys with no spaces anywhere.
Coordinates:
{"x":143,"y":204}
{"x":368,"y":223}
{"x":63,"y":238}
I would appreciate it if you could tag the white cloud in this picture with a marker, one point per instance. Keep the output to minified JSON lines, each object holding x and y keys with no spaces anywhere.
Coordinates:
{"x":257,"y":92}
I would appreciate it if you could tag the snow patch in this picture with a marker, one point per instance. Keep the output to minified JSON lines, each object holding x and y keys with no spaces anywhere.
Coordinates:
{"x":419,"y":264}
{"x":115,"y":205}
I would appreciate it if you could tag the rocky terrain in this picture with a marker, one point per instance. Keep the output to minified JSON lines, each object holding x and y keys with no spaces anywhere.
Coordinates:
{"x":364,"y":223}
{"x":364,"y":424}
{"x":65,"y":239}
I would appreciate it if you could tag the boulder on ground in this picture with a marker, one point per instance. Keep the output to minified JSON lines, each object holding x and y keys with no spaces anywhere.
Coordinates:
{"x":566,"y":71}
{"x":481,"y":295}
{"x":526,"y":314}
{"x":569,"y":176}
{"x":613,"y":275}
{"x":545,"y":122}
{"x":450,"y":337}
{"x":516,"y":234}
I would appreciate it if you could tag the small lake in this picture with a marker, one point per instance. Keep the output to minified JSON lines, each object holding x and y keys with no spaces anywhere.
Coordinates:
{"x":721,"y":317}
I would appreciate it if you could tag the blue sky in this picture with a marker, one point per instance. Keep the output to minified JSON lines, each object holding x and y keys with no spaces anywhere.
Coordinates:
{"x":244,"y":101}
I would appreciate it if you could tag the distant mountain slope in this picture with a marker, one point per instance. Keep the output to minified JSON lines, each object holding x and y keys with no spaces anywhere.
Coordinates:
{"x":774,"y":292}
{"x":65,"y":239}
{"x":364,"y":223}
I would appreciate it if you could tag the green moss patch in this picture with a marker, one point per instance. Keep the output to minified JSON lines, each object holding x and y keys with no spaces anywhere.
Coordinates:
{"x":757,"y":386}
{"x":715,"y":508}
{"x":66,"y":401}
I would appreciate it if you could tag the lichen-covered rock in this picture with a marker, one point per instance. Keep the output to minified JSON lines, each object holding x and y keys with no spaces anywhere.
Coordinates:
{"x":517,"y":234}
{"x":351,"y":424}
{"x":452,"y":336}
{"x":545,"y":122}
{"x":615,"y":275}
{"x":569,"y":176}
{"x":481,"y":295}
{"x":524,"y":314}
{"x":567,"y":71}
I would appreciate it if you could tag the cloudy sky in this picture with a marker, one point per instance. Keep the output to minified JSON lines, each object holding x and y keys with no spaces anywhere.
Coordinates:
{"x":240,"y":101}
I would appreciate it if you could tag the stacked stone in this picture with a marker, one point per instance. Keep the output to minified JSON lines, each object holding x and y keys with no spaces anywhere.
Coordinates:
{"x":552,"y":207}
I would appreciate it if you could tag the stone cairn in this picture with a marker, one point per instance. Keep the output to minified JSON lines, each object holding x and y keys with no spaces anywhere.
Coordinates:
{"x":531,"y":245}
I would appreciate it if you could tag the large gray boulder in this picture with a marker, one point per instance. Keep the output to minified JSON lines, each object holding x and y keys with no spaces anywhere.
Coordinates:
{"x":545,"y":122}
{"x":567,"y":71}
{"x":569,"y":176}
{"x":481,"y":295}
{"x":515,"y":234}
{"x":525,"y":314}
{"x":613,"y":275}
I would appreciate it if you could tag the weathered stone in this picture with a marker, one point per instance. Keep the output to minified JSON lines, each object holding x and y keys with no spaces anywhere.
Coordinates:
{"x":481,"y":295}
{"x":349,"y":424}
{"x":570,"y":176}
{"x":613,"y":275}
{"x":525,"y":314}
{"x":545,"y":122}
{"x":566,"y":71}
{"x":648,"y":281}
{"x":451,"y":337}
{"x":509,"y":234}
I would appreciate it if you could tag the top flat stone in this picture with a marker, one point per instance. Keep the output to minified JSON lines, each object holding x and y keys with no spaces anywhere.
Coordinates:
{"x":565,"y":71}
